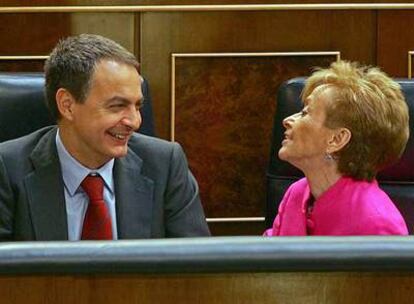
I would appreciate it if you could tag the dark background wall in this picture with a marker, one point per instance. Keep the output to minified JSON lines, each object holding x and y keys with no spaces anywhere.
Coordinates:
{"x":214,"y":74}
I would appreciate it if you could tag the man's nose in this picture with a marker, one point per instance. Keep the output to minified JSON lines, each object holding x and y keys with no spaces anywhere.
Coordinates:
{"x":133,"y":119}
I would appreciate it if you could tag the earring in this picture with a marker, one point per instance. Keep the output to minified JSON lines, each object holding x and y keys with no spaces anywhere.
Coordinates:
{"x":328,"y":156}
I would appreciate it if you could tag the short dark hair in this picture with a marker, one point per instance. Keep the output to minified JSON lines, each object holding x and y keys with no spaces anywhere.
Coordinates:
{"x":72,"y":63}
{"x":371,"y":105}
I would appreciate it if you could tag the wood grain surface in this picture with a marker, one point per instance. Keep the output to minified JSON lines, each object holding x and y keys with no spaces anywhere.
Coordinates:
{"x":310,"y":288}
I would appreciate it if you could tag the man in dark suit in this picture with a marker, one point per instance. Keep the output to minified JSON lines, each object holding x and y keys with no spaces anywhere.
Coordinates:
{"x":93,"y":89}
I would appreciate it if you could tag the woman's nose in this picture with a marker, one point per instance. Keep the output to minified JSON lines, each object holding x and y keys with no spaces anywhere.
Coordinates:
{"x":288,"y":120}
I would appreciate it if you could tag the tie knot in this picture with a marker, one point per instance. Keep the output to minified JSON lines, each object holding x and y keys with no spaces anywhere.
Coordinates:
{"x":93,"y":186}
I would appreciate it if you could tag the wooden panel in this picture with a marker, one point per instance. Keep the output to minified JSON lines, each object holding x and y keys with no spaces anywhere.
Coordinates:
{"x":166,"y":33}
{"x":351,"y":32}
{"x":175,"y":2}
{"x":38,"y":33}
{"x":395,"y":40}
{"x":21,"y":65}
{"x":224,"y":108}
{"x":236,"y":228}
{"x":119,"y":27}
{"x":31,"y":34}
{"x":318,"y":288}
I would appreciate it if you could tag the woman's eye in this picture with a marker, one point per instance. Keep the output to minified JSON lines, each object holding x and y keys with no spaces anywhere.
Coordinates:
{"x":303,"y":113}
{"x":138,"y":106}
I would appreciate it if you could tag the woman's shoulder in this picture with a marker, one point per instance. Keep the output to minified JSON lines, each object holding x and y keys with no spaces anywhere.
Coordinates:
{"x":300,"y":184}
{"x":376,"y":211}
{"x":367,"y":190}
{"x":297,"y":192}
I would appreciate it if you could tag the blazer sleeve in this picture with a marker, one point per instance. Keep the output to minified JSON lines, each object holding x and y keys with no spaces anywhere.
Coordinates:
{"x":6,"y":205}
{"x":275,"y":230}
{"x":184,"y":215}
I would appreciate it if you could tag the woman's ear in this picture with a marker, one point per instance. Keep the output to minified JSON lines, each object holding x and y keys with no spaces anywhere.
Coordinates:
{"x":64,"y":103}
{"x":340,"y":139}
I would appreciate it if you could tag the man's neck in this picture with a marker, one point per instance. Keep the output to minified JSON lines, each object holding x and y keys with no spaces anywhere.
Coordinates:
{"x":70,"y":142}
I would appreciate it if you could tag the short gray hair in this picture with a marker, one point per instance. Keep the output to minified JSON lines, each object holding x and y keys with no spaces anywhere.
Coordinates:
{"x":73,"y":61}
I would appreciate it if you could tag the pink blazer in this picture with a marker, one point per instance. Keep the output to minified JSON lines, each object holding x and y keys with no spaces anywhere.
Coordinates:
{"x":349,"y":207}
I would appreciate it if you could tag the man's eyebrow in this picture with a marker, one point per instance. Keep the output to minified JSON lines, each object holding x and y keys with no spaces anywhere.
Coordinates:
{"x":117,"y":99}
{"x":122,"y":99}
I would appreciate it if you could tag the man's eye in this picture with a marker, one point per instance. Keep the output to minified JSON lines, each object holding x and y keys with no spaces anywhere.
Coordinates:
{"x":303,"y":113}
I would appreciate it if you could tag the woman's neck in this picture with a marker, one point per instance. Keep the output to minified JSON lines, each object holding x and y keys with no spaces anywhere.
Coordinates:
{"x":321,"y":180}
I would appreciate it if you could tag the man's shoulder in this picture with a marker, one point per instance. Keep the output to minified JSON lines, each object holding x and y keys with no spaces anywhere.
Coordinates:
{"x":143,"y":144}
{"x":19,"y":145}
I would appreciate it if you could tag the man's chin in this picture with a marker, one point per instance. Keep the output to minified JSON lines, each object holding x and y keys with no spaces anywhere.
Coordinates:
{"x":119,"y":152}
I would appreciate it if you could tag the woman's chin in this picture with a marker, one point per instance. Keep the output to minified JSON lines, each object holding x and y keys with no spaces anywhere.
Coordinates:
{"x":283,"y":154}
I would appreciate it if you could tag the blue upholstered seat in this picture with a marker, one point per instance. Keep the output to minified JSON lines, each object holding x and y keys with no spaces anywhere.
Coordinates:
{"x":23,"y":109}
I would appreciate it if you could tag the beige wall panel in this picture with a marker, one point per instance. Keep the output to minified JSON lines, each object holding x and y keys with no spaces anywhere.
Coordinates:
{"x":117,"y":26}
{"x":350,"y":32}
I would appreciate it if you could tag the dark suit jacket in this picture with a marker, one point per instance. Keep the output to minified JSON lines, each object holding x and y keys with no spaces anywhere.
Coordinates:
{"x":156,"y":195}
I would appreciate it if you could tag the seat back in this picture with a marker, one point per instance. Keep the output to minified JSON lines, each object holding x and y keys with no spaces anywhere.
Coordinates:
{"x":23,"y":108}
{"x":397,"y":180}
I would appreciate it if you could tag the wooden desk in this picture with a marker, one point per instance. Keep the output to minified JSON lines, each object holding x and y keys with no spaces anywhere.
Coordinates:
{"x":214,"y":270}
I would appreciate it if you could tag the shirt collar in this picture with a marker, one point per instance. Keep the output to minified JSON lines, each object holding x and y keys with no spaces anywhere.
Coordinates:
{"x":73,"y":172}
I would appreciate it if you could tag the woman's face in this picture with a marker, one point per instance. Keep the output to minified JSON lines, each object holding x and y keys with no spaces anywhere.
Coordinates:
{"x":306,"y":137}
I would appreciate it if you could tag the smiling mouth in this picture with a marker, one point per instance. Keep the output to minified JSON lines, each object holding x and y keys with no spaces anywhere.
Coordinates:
{"x":120,"y":136}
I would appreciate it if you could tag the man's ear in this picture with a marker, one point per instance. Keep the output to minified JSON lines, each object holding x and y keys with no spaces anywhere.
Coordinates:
{"x":65,"y":103}
{"x":340,"y":139}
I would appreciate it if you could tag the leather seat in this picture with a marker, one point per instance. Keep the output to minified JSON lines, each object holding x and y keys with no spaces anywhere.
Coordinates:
{"x":396,"y":180}
{"x":23,"y":109}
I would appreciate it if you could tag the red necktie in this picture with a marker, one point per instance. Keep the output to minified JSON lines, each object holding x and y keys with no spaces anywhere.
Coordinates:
{"x":97,"y":222}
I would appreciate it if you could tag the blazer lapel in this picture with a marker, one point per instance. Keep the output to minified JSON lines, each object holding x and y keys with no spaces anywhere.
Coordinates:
{"x":44,"y":188}
{"x":134,"y":198}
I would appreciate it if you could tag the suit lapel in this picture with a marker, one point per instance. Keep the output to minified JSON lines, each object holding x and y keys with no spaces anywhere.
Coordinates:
{"x":134,"y":198}
{"x":44,"y":188}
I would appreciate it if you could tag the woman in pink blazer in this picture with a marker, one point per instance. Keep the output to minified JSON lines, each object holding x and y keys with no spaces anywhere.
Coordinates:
{"x":353,"y":124}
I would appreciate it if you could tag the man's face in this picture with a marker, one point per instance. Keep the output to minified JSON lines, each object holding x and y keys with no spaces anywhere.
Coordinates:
{"x":101,"y":126}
